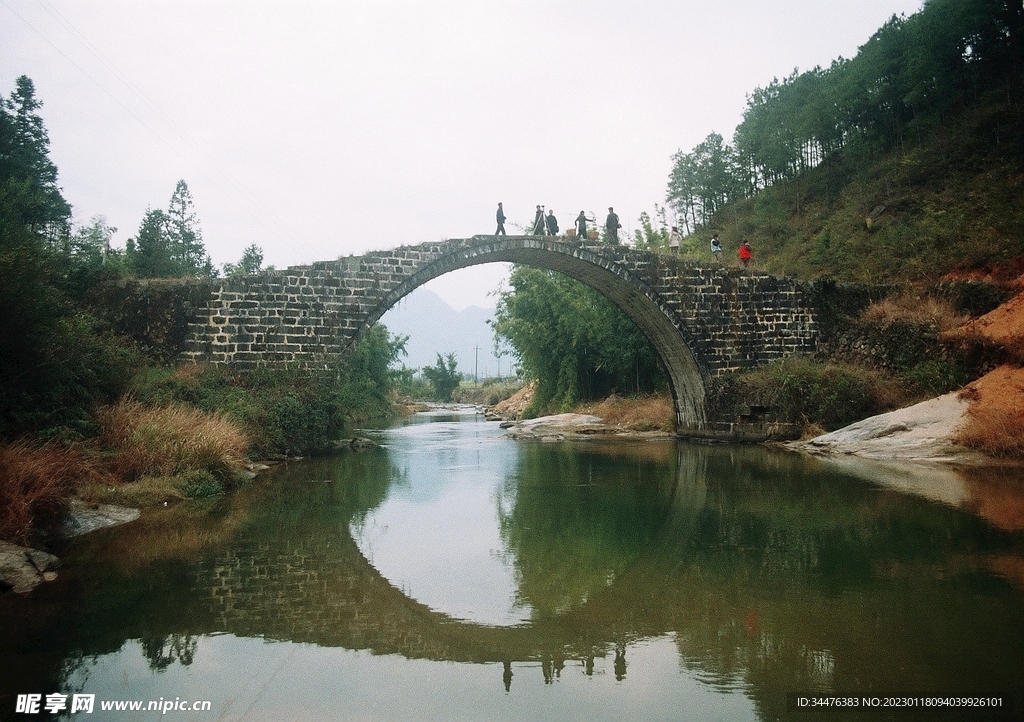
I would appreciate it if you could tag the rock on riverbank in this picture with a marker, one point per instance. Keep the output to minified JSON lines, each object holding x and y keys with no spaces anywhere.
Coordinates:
{"x":85,"y":518}
{"x":567,"y":426}
{"x":929,"y":431}
{"x":920,"y":432}
{"x":22,"y":569}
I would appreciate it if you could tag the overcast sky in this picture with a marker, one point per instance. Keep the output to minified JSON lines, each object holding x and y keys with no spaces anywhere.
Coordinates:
{"x":321,"y":129}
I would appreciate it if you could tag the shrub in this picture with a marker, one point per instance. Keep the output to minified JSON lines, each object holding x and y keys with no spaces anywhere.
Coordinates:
{"x":934,"y":378}
{"x":281,"y":411}
{"x":806,"y":391}
{"x":171,"y":440}
{"x":489,"y":392}
{"x":55,"y":370}
{"x":288,"y":411}
{"x":199,"y":484}
{"x":974,"y":298}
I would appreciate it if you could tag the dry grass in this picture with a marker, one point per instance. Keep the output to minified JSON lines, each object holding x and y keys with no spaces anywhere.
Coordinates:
{"x":908,"y":306}
{"x":171,"y":440}
{"x":994,"y":423}
{"x":170,"y":452}
{"x":996,"y":431}
{"x":188,"y":372}
{"x":36,"y":483}
{"x":144,"y":492}
{"x":645,"y":413}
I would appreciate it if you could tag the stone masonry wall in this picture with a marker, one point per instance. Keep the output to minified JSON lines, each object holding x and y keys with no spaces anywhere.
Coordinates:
{"x":729,"y":318}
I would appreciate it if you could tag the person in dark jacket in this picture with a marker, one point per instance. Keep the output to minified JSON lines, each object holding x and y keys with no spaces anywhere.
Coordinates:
{"x":552,"y":223}
{"x":500,"y":216}
{"x":581,"y":226}
{"x":612,"y":225}
{"x":538,"y":222}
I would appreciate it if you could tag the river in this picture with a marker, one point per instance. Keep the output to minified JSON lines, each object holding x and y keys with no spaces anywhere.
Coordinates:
{"x":454,"y":573}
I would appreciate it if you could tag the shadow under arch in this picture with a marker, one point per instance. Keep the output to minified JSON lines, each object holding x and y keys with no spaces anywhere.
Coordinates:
{"x":687,"y":371}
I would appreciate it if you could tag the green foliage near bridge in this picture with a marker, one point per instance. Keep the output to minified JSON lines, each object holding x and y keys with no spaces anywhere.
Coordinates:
{"x":285,"y":410}
{"x":443,"y":376}
{"x":572,"y":341}
{"x":56,"y":358}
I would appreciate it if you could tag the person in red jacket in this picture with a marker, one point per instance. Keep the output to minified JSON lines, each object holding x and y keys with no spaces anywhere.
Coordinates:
{"x":745,"y":254}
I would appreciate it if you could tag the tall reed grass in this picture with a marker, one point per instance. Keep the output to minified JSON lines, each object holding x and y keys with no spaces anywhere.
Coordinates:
{"x":171,"y":440}
{"x":36,"y":484}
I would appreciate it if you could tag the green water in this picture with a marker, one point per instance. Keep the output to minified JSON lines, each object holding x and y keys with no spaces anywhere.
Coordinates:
{"x":456,"y":574}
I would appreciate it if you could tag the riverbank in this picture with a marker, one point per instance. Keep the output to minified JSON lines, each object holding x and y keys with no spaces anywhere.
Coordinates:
{"x":981,"y":422}
{"x":650,"y":417}
{"x":561,"y":427}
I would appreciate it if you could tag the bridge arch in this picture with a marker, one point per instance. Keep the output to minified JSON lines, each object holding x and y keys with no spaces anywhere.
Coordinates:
{"x":687,"y":374}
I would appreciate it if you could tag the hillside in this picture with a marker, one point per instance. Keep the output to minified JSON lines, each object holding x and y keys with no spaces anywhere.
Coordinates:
{"x":953,"y":202}
{"x":900,"y":164}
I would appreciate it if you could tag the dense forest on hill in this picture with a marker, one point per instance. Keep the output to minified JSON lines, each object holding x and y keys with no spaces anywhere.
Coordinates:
{"x":900,"y":164}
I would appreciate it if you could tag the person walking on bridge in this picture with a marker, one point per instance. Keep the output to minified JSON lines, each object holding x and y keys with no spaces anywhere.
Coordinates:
{"x":612,"y":225}
{"x":500,"y":216}
{"x":716,"y":248}
{"x":538,"y":222}
{"x":673,"y":241}
{"x":581,"y":226}
{"x":745,"y":254}
{"x":552,"y":223}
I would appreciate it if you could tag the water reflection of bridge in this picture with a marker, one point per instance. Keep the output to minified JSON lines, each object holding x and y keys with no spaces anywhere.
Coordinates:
{"x":321,"y":589}
{"x":775,"y":593}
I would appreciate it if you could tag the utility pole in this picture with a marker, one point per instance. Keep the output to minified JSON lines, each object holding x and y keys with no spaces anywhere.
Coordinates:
{"x":476,"y":363}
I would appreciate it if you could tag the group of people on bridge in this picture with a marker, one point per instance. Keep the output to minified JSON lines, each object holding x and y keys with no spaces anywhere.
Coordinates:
{"x":547,"y":225}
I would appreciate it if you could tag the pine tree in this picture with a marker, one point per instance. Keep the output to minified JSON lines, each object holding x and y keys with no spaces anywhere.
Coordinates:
{"x":150,"y":254}
{"x":31,"y":195}
{"x":184,"y":234}
{"x":170,"y":245}
{"x":250,"y":264}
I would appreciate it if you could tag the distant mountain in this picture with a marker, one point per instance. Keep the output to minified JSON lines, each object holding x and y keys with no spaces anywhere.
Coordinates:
{"x":434,"y":327}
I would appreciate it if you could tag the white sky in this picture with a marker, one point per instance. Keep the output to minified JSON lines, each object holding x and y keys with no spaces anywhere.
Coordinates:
{"x":328,"y":128}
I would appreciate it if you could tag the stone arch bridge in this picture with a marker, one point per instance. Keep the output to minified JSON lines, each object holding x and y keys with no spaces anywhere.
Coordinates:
{"x":704,"y":320}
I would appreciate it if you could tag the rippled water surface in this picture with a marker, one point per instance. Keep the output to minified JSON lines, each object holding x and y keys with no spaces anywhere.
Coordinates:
{"x":456,"y":574}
